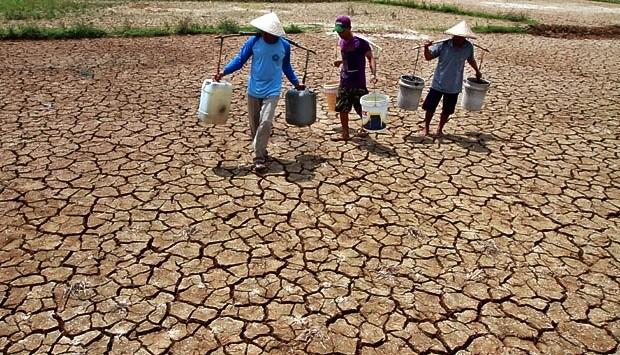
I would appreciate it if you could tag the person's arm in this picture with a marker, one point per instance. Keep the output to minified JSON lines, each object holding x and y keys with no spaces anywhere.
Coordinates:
{"x":372,"y":62}
{"x":472,"y":62}
{"x":338,"y":56}
{"x":287,"y":68}
{"x":474,"y":65}
{"x":431,"y":53}
{"x":238,"y":61}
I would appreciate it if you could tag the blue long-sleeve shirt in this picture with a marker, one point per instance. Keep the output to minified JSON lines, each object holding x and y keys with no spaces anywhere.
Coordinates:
{"x":268,"y":63}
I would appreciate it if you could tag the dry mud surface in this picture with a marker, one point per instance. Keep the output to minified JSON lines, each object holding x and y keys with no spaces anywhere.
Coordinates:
{"x":576,"y":13}
{"x":128,"y":227}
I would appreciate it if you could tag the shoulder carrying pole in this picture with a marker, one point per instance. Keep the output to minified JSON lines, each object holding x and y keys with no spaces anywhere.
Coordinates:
{"x":298,"y":45}
{"x":219,"y":58}
{"x":240,"y":34}
{"x":303,"y":81}
{"x":445,"y":39}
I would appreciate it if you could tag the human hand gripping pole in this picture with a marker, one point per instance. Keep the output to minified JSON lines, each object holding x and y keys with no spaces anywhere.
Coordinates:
{"x":218,"y":74}
{"x":302,"y":86}
{"x":479,"y":71}
{"x":373,"y":70}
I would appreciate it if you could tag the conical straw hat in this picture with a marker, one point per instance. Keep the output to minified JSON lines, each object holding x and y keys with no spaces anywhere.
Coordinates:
{"x":461,"y":29}
{"x":269,"y":23}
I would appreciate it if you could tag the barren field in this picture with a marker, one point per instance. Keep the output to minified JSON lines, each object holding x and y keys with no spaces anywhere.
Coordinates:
{"x":127,"y":227}
{"x":368,"y":16}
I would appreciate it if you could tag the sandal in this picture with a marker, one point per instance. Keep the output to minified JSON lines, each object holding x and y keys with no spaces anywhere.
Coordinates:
{"x":361,"y":133}
{"x":340,"y":139}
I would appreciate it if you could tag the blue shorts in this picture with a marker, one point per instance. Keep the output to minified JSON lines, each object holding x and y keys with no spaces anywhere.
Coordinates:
{"x":432,"y":101}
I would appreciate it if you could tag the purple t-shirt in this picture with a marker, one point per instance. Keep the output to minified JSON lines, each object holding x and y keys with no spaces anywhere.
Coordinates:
{"x":353,"y":73}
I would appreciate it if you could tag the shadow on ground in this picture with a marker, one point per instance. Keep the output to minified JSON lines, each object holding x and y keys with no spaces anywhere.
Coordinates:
{"x":472,"y":141}
{"x":300,"y":169}
{"x":372,"y":146}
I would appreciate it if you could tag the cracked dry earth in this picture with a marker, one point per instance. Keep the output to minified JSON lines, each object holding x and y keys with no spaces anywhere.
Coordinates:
{"x":127,"y":227}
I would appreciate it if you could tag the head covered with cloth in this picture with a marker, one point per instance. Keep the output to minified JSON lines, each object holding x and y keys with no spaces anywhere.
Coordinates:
{"x":353,"y":51}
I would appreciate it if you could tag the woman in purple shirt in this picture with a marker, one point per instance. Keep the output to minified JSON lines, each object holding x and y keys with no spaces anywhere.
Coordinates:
{"x":354,"y":51}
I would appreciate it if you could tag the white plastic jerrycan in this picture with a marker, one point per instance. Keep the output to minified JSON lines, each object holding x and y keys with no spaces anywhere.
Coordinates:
{"x":215,"y":100}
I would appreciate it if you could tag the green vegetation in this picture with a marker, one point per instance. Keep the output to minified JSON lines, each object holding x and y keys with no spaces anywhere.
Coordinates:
{"x":128,"y":31}
{"x":229,"y":26}
{"x":45,"y":9}
{"x":609,"y":1}
{"x":499,"y":29}
{"x":29,"y":11}
{"x":87,"y":30}
{"x":293,"y":28}
{"x":452,"y":9}
{"x":79,"y":30}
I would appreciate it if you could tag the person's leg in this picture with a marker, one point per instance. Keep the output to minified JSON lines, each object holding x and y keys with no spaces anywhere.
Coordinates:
{"x":254,"y":107}
{"x":449,"y":104}
{"x":428,"y":117}
{"x":357,"y":95}
{"x":358,"y":108}
{"x":344,"y":122}
{"x":263,"y":131}
{"x":443,"y":118}
{"x":430,"y":105}
{"x":343,"y":107}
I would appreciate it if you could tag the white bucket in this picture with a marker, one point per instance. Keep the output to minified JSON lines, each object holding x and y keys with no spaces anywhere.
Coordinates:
{"x":331,"y":90}
{"x":374,"y":111}
{"x":215,"y":100}
{"x":409,"y":92}
{"x":474,"y":93}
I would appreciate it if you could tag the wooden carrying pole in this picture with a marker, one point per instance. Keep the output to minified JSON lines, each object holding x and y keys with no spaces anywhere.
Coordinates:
{"x":445,"y":39}
{"x":221,"y":38}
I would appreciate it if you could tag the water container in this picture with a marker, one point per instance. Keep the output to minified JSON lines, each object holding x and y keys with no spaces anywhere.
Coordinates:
{"x":215,"y":100}
{"x":410,"y":90}
{"x":331,"y":90}
{"x":300,"y":107}
{"x":374,"y":111}
{"x":474,"y":93}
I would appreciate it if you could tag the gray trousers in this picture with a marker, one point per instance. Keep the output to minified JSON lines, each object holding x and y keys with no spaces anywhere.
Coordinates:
{"x":261,"y":112}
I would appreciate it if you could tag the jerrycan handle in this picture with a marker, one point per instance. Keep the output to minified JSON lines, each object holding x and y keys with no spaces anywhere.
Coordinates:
{"x":216,"y":84}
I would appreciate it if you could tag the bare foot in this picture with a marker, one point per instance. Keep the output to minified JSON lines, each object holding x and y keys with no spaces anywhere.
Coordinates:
{"x":438,"y":134}
{"x":340,"y":138}
{"x":424,"y":132}
{"x":361,"y":133}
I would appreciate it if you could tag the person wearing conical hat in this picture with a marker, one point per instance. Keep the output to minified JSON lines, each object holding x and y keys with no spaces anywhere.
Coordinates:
{"x":448,"y":77}
{"x":271,"y":56}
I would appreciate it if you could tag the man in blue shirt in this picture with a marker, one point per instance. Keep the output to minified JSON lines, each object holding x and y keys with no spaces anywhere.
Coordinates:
{"x":271,"y":55}
{"x":448,"y":77}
